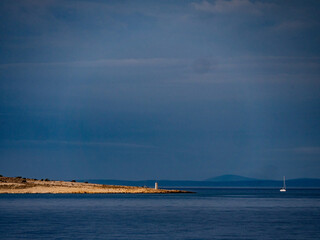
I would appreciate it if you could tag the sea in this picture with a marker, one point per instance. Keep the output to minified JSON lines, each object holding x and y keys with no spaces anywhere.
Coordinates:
{"x":209,"y":213}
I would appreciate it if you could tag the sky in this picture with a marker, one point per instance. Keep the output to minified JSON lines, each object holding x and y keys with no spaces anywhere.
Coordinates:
{"x":178,"y":90}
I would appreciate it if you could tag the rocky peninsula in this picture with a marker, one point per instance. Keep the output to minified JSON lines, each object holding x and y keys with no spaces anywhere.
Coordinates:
{"x":16,"y":185}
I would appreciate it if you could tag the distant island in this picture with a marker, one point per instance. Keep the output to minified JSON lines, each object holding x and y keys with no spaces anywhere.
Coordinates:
{"x":229,"y":177}
{"x":217,"y":182}
{"x":16,"y":185}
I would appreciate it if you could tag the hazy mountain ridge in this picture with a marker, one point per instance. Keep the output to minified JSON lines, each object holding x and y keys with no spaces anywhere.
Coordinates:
{"x":229,"y":177}
{"x":301,"y":182}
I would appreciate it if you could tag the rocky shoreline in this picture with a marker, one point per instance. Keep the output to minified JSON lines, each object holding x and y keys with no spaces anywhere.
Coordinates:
{"x":19,"y":185}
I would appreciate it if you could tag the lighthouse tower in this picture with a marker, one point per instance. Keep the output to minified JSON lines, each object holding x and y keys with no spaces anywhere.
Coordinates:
{"x":156,"y":185}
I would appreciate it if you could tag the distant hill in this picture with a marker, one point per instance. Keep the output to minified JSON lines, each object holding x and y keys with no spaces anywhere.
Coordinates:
{"x":255,"y":183}
{"x":227,"y":178}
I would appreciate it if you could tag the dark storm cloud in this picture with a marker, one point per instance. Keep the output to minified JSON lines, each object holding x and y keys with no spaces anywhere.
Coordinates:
{"x":159,"y":89}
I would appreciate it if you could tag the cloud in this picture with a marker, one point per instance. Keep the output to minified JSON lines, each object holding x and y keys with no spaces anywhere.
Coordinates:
{"x":232,"y":6}
{"x":203,"y":65}
{"x":272,"y":61}
{"x":301,"y":150}
{"x":200,"y":65}
{"x":134,"y":62}
{"x":80,"y":143}
{"x":307,"y":150}
{"x":292,"y":25}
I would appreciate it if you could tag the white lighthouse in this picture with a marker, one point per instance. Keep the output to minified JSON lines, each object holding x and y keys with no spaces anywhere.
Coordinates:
{"x":156,"y":185}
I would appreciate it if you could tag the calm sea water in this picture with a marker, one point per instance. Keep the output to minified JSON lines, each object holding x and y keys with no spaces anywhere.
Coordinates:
{"x":208,"y":214}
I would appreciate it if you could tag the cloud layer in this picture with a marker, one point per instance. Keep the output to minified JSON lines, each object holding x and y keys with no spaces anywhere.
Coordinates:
{"x":157,"y":89}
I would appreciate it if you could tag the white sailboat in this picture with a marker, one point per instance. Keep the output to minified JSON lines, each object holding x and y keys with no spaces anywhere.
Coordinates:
{"x":283,"y":189}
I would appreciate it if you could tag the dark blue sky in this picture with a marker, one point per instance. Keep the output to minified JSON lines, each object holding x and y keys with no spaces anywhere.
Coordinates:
{"x":159,"y":89}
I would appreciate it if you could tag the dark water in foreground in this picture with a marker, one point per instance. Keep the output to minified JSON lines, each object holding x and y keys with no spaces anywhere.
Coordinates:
{"x":208,"y":214}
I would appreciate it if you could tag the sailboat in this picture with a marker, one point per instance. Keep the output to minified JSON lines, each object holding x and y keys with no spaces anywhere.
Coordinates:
{"x":283,"y":189}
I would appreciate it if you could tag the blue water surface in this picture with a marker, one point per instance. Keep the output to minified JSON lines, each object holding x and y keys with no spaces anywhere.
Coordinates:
{"x":207,"y":214}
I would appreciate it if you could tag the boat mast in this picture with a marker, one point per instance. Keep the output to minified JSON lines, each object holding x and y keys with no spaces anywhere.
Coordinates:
{"x":284,"y":181}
